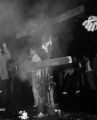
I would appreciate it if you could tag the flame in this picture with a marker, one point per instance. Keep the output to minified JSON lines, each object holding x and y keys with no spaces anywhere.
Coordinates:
{"x":46,"y":45}
{"x":23,"y":115}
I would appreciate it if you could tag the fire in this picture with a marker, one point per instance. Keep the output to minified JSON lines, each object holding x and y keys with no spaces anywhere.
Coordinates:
{"x":47,"y":44}
{"x":23,"y":115}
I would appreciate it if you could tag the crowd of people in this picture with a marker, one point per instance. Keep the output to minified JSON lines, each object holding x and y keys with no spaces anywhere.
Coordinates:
{"x":13,"y":74}
{"x":80,"y":77}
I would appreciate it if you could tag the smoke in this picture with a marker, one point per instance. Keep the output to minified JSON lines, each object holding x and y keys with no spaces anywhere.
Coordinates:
{"x":11,"y":21}
{"x":23,"y":26}
{"x":39,"y":24}
{"x":10,"y":18}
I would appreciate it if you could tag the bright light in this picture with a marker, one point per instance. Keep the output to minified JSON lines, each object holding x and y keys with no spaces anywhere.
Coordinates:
{"x":47,"y":45}
{"x":70,"y":59}
{"x":23,"y":115}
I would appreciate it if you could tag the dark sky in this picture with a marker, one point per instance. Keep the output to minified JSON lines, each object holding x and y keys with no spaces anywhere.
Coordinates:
{"x":85,"y":43}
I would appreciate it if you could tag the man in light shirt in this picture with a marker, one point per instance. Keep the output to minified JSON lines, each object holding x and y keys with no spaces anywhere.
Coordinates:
{"x":36,"y":75}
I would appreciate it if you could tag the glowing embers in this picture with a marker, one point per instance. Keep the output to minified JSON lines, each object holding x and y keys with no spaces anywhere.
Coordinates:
{"x":47,"y":43}
{"x":2,"y":109}
{"x":58,"y":111}
{"x":23,"y":115}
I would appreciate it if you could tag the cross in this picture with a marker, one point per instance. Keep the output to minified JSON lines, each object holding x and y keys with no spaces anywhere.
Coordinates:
{"x":33,"y":66}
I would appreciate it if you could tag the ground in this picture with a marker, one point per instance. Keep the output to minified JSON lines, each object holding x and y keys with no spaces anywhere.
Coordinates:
{"x":62,"y":116}
{"x":73,"y":107}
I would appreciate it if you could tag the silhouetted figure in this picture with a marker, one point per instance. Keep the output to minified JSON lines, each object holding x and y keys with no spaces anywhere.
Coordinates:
{"x":73,"y":78}
{"x":89,"y":74}
{"x":4,"y":57}
{"x":36,"y":76}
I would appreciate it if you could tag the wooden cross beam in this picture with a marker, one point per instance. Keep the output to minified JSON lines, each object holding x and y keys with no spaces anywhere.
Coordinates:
{"x":33,"y":66}
{"x":69,"y":14}
{"x":65,"y":16}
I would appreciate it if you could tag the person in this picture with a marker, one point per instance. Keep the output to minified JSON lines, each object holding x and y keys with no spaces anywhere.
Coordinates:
{"x":89,"y":74}
{"x":38,"y":86}
{"x":94,"y":69}
{"x":67,"y":72}
{"x":26,"y":71}
{"x":73,"y":78}
{"x":4,"y":57}
{"x":51,"y":86}
{"x":36,"y":75}
{"x":42,"y":87}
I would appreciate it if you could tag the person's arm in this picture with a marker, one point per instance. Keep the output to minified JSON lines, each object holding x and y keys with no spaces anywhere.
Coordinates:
{"x":7,"y":53}
{"x":88,"y":67}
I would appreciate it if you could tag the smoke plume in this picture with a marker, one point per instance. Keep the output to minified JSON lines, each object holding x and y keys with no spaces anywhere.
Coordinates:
{"x":23,"y":27}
